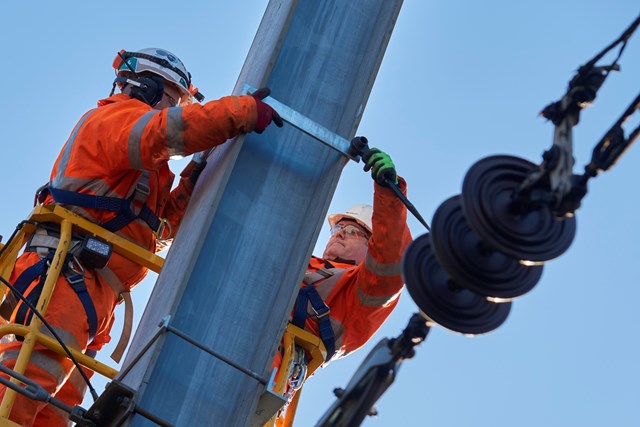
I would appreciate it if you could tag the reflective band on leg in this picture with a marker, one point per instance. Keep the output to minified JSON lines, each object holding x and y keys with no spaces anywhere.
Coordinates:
{"x":67,"y":337}
{"x":78,"y":383}
{"x":62,"y":414}
{"x":51,"y":366}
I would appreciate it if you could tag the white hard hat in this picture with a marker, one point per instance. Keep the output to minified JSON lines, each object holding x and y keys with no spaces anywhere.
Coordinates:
{"x":161,"y":62}
{"x":359,"y":213}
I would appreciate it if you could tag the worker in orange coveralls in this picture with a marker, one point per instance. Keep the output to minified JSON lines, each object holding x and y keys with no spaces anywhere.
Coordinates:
{"x":114,"y":171}
{"x":348,"y":293}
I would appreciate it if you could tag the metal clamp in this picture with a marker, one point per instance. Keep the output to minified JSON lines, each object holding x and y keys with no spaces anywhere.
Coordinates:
{"x":308,"y":126}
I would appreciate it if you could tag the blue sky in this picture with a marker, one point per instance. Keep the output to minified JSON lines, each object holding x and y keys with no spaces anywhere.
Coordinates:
{"x":459,"y":81}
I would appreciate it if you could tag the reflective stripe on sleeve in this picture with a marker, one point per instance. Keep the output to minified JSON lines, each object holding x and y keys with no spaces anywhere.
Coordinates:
{"x":175,"y":128}
{"x":338,"y":331}
{"x":66,"y":153}
{"x":376,"y":300}
{"x":135,"y":138}
{"x":382,"y":269}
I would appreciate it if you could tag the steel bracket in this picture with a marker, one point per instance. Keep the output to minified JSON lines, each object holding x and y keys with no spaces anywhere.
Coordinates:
{"x":308,"y":126}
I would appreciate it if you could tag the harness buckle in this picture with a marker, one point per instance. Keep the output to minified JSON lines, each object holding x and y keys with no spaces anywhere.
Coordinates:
{"x":324,"y":311}
{"x":143,"y":188}
{"x":163,"y":223}
{"x":74,"y":279}
{"x":75,"y":266}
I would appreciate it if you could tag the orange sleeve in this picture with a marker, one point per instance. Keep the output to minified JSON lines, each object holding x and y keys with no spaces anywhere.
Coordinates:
{"x":186,"y":130}
{"x":367,"y":294}
{"x":215,"y":122}
{"x":128,"y":134}
{"x":174,"y":210}
{"x":380,"y":275}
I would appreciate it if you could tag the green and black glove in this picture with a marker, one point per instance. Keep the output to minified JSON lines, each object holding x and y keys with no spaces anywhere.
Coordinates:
{"x":381,"y":166}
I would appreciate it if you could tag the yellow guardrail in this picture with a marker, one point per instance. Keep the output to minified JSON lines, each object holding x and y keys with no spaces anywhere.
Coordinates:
{"x":316,"y":353}
{"x":70,"y":223}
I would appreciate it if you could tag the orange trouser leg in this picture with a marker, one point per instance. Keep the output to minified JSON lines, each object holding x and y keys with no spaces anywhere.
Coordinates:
{"x":67,"y":316}
{"x":46,"y":368}
{"x":71,"y":394}
{"x":50,"y":416}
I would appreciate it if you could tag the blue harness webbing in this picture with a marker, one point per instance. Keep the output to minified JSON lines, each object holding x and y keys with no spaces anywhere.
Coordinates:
{"x":112,"y":204}
{"x":309,"y":294}
{"x":76,"y":281}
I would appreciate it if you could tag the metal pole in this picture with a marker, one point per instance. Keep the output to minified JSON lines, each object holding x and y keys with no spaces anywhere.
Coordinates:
{"x":230,"y":279}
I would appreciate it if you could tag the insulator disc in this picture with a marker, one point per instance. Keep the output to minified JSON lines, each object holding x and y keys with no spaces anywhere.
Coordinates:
{"x":447,"y":304}
{"x":487,"y":192}
{"x":472,"y":263}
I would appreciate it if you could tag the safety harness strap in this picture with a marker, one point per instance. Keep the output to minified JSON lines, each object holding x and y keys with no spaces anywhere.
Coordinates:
{"x":30,"y":274}
{"x":23,"y":315}
{"x":112,"y":204}
{"x":80,"y":287}
{"x":309,"y":294}
{"x":76,"y":281}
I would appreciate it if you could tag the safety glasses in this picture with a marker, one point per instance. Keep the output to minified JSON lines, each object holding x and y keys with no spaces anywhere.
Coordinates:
{"x":348,"y":230}
{"x":172,"y":101}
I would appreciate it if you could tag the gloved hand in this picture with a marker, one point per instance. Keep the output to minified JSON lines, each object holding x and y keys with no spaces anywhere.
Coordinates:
{"x":381,"y":166}
{"x":193,"y":170}
{"x":266,"y":114}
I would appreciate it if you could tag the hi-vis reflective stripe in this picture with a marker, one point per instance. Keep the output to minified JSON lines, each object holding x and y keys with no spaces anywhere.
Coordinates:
{"x":64,"y":415}
{"x":66,"y":336}
{"x":173,"y":131}
{"x":135,"y":137}
{"x":338,"y":332}
{"x":78,"y":383}
{"x":98,"y":186}
{"x":139,"y":191}
{"x":324,"y":280}
{"x":381,"y":269}
{"x":376,"y":300}
{"x":95,"y":186}
{"x":64,"y":160}
{"x":53,"y":367}
{"x":175,"y":128}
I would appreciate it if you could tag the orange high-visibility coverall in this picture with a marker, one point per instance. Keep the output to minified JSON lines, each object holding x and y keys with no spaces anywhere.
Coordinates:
{"x":363,"y":296}
{"x":111,"y":149}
